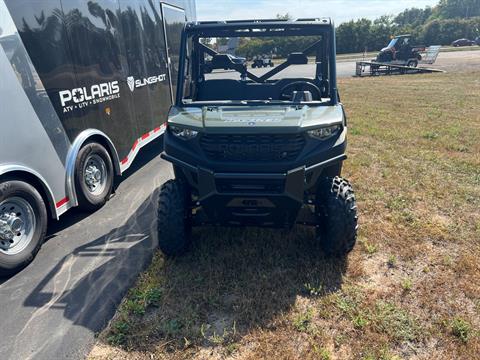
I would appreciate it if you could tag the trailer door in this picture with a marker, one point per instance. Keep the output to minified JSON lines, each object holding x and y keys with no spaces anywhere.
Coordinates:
{"x":173,"y":20}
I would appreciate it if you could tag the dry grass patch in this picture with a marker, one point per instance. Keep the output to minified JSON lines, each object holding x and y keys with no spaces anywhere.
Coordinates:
{"x":409,"y":290}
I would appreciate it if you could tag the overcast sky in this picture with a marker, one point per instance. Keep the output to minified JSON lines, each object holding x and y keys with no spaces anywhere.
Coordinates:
{"x":338,"y":10}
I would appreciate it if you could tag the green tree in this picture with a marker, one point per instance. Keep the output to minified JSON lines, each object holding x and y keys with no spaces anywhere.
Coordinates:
{"x":448,"y":9}
{"x":413,"y":17}
{"x":443,"y":32}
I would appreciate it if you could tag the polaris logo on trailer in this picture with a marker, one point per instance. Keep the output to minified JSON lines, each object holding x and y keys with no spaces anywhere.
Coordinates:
{"x":84,"y":96}
{"x":132,"y":83}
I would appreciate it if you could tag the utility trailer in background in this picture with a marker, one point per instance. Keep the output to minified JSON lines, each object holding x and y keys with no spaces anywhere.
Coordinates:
{"x":399,"y":57}
{"x":372,"y":68}
{"x":400,"y":66}
{"x":83,"y":86}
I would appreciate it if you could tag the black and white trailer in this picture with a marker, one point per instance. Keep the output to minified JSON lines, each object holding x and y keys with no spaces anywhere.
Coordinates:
{"x":83,"y":86}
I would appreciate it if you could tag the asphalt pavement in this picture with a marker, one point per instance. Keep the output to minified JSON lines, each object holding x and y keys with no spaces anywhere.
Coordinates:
{"x":344,"y":69}
{"x":54,"y":307}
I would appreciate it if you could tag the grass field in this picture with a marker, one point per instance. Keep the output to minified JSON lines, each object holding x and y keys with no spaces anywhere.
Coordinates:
{"x":409,"y":290}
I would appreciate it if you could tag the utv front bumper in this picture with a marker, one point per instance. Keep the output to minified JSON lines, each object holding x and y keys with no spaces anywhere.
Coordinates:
{"x":259,"y":199}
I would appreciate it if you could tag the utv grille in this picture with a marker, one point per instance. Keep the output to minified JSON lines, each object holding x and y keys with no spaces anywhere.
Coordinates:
{"x":250,"y":186}
{"x":252,"y":147}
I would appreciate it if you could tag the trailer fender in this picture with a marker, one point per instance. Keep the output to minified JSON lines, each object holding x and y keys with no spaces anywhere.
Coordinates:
{"x":25,"y":173}
{"x":83,"y":137}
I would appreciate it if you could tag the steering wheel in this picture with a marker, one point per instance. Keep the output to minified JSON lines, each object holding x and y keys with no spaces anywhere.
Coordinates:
{"x":287,"y":90}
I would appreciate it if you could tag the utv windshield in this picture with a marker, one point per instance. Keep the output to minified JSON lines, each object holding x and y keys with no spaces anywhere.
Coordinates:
{"x":264,"y":63}
{"x":392,"y":43}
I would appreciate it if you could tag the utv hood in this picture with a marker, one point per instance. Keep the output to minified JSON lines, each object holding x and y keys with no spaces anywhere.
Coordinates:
{"x":256,"y":118}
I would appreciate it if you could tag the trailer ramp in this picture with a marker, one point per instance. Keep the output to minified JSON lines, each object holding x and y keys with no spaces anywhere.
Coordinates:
{"x":373,"y":68}
{"x":430,"y":54}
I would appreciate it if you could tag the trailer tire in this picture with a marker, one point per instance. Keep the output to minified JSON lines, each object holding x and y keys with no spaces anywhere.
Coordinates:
{"x":93,"y":176}
{"x":337,"y":213}
{"x":174,"y":223}
{"x":29,"y":223}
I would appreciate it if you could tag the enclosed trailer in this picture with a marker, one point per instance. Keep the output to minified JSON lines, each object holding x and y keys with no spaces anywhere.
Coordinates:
{"x":83,"y":86}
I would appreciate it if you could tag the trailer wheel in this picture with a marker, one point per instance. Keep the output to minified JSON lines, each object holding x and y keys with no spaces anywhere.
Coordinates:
{"x":23,"y":224}
{"x":337,"y":212}
{"x":174,"y":220}
{"x":93,"y":176}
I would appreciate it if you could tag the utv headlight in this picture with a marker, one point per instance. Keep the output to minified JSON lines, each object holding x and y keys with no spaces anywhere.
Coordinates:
{"x":324,"y":132}
{"x":182,"y":133}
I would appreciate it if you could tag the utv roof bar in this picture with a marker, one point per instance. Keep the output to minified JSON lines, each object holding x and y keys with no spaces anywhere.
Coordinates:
{"x":326,"y":21}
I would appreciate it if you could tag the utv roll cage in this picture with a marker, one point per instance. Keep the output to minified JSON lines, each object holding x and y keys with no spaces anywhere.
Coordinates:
{"x":323,"y":50}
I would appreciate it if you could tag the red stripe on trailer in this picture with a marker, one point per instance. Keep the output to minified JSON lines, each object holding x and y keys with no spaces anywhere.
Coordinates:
{"x":139,"y":140}
{"x":62,"y":202}
{"x":135,"y":144}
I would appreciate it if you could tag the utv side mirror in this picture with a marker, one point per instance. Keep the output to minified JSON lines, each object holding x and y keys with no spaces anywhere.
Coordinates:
{"x":297,"y":58}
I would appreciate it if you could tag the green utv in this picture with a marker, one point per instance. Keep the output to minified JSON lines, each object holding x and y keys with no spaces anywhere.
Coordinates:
{"x":257,"y":148}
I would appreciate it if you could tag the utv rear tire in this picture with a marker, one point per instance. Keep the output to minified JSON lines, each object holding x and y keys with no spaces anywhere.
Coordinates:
{"x":93,"y":156}
{"x":174,"y":223}
{"x":337,"y":213}
{"x":412,"y":63}
{"x":24,"y":200}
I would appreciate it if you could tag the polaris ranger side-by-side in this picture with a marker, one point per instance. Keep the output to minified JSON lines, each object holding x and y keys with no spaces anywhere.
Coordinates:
{"x":262,"y":61}
{"x":257,"y":149}
{"x":399,"y":51}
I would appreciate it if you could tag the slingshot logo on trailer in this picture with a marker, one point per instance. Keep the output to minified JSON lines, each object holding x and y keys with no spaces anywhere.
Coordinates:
{"x":131,"y":83}
{"x":137,"y":83}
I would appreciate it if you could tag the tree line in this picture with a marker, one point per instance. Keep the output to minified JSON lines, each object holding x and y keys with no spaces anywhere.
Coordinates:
{"x":439,"y":25}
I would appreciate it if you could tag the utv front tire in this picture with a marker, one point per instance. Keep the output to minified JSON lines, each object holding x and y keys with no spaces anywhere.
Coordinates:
{"x":337,"y":213}
{"x":333,"y":170}
{"x":174,"y":218}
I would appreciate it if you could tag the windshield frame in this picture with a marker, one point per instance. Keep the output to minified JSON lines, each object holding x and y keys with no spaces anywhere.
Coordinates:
{"x":265,"y":28}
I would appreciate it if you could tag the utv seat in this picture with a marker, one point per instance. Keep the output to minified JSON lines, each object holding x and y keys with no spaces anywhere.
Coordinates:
{"x":228,"y":89}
